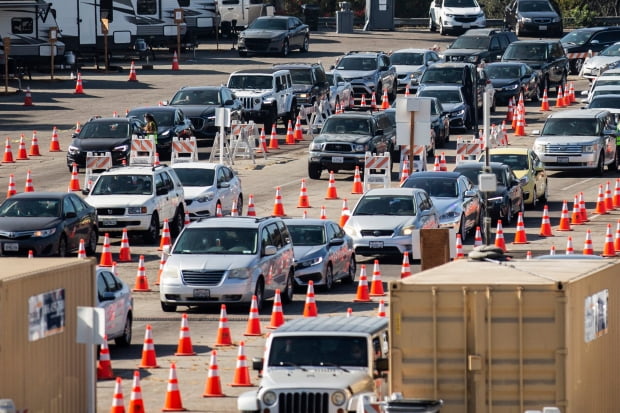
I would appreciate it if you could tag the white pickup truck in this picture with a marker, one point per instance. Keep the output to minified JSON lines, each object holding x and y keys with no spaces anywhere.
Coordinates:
{"x":455,"y":16}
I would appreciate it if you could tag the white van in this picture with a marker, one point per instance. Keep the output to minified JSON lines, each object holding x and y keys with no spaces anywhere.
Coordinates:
{"x":243,"y":12}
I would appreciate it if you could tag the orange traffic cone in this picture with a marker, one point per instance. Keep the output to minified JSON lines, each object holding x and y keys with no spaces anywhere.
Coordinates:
{"x":442,"y":163}
{"x":345,"y":213}
{"x":582,"y":208}
{"x":304,"y":201}
{"x":218,"y":211}
{"x":251,"y":207}
{"x":22,"y":154}
{"x":588,"y":249}
{"x":405,"y":269}
{"x":30,"y":254}
{"x":262,"y":146}
{"x":564,"y":220}
{"x":510,"y":110}
{"x":323,"y":214}
{"x":106,"y":255}
{"x":11,"y":190}
{"x":173,"y":402}
{"x":385,"y":102}
{"x":290,"y":136}
{"x":277,"y":315}
{"x":184,"y":347}
{"x":124,"y":254}
{"x":545,"y":225}
{"x":175,"y":61}
{"x":499,"y":236}
{"x":118,"y":402}
{"x":78,"y":127}
{"x":253,"y":327}
{"x":242,"y":372}
{"x":223,"y":331}
{"x":82,"y":250}
{"x":459,"y":247}
{"x":436,"y":166}
{"x":234,"y":212}
{"x":363,"y":100}
{"x":362,"y":294}
{"x":376,"y":285}
{"x":349,"y":312}
{"x":609,"y":199}
{"x":608,"y":248}
{"x":298,"y":132}
{"x":149,"y":359}
{"x":575,"y":218}
{"x":104,"y":367}
{"x":132,"y":73}
{"x":381,"y":309}
{"x":569,"y":246}
{"x":407,"y":92}
{"x":74,"y":183}
{"x":504,"y":139}
{"x":520,"y":127}
{"x":28,"y":97}
{"x":520,"y":236}
{"x":571,"y":93}
{"x":34,"y":145}
{"x":544,"y":104}
{"x":162,"y":263}
{"x":28,"y":187}
{"x":54,"y":144}
{"x":331,"y":188}
{"x":616,"y":199}
{"x":478,"y":237}
{"x":552,"y":250}
{"x":165,"y":236}
{"x":373,"y":101}
{"x":559,"y":101}
{"x":405,"y":172}
{"x":600,"y":202}
{"x":213,"y":386}
{"x":273,"y":141}
{"x":358,"y":187}
{"x":142,"y":283}
{"x":136,"y":404}
{"x":278,"y":207}
{"x":79,"y":88}
{"x":617,"y":238}
{"x":310,"y":308}
{"x":8,"y":154}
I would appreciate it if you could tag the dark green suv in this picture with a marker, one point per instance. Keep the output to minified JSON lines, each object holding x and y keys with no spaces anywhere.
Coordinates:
{"x":546,"y":56}
{"x":310,"y":83}
{"x":479,"y":44}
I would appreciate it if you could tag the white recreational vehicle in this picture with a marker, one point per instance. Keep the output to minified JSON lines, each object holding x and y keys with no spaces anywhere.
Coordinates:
{"x":201,"y":17}
{"x":242,"y":12}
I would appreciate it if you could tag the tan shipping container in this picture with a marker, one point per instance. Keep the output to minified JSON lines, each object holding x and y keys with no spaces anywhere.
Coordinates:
{"x":43,"y":368}
{"x":509,"y":337}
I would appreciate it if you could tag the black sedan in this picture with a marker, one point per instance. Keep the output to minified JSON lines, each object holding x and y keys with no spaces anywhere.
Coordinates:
{"x":199,"y":103}
{"x":47,"y":223}
{"x":171,"y":123}
{"x":512,"y":79}
{"x":507,"y":200}
{"x":104,"y":135}
{"x":274,"y":34}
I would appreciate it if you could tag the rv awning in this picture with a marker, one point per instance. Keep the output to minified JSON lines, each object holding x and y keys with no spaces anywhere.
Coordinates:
{"x":23,"y":3}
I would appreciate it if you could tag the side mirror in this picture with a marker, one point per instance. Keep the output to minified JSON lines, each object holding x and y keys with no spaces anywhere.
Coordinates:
{"x":85,"y":191}
{"x":257,"y":363}
{"x":380,"y":132}
{"x":107,"y":296}
{"x":165,"y":102}
{"x":536,"y":132}
{"x":270,"y":250}
{"x":229,"y":102}
{"x":71,"y":214}
{"x":515,"y":182}
{"x":223,"y":185}
{"x":470,"y":193}
{"x":162,"y":191}
{"x":336,"y":241}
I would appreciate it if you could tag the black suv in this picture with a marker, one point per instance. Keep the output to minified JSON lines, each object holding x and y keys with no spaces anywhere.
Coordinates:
{"x":546,"y":56}
{"x":534,"y":17}
{"x":345,"y":138}
{"x":580,"y":42}
{"x":368,"y":72}
{"x":479,"y":44}
{"x":310,"y":83}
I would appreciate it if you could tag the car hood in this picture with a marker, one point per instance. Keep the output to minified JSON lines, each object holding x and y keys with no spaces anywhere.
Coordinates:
{"x":342,"y":137}
{"x":316,"y":377}
{"x":566,"y":140}
{"x":99,"y":144}
{"x":445,"y":204}
{"x":501,"y":82}
{"x":198,"y":110}
{"x":306,"y":250}
{"x":408,"y":69}
{"x":251,"y":93}
{"x":115,"y":201}
{"x":209,"y":262}
{"x":451,"y":107}
{"x":192,"y":192}
{"x":356,"y":74}
{"x":599,"y":61}
{"x":301,"y":88}
{"x":263,"y":34}
{"x":10,"y":224}
{"x":534,"y":64}
{"x":463,"y":52}
{"x":379,"y":221}
{"x":462,"y":10}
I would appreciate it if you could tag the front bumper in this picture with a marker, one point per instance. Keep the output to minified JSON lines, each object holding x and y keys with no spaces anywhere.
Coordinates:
{"x":464,"y":22}
{"x":532,"y":27}
{"x":336,"y":161}
{"x":383,"y":245}
{"x":198,"y":210}
{"x":79,"y":158}
{"x":561,"y":162}
{"x":117,"y":223}
{"x":260,"y":45}
{"x":40,"y":247}
{"x":173,"y":291}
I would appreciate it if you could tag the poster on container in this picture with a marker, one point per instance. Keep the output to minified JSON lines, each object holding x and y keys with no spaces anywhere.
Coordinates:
{"x":46,"y":314}
{"x":596,"y":315}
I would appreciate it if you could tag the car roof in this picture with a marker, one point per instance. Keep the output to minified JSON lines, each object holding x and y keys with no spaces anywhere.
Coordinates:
{"x":267,"y":71}
{"x":109,"y":119}
{"x":392,"y":191}
{"x":335,"y":324}
{"x":202,"y":87}
{"x":155,"y":109}
{"x":505,"y":64}
{"x":605,"y":96}
{"x":578,"y":113}
{"x":411,"y":50}
{"x":360,"y":53}
{"x":307,"y":221}
{"x":437,"y":66}
{"x":39,"y":195}
{"x":440,"y":87}
{"x":478,"y":165}
{"x":300,"y":65}
{"x":363,"y":115}
{"x":533,"y":41}
{"x":504,"y":150}
{"x":483,"y":32}
{"x":274,"y":17}
{"x":435,"y":174}
{"x":230,"y":222}
{"x":595,"y":29}
{"x":133,"y":170}
{"x":196,"y":165}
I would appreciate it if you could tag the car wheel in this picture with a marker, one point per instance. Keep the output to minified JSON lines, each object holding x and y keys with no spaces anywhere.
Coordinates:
{"x":289,"y":290}
{"x":431,"y":25}
{"x":259,"y":292}
{"x":91,"y":246}
{"x":151,"y":235}
{"x":329,"y":278}
{"x":305,"y":46}
{"x":463,"y":229}
{"x":613,"y":167}
{"x":285,"y":49}
{"x":177,"y":222}
{"x":314,"y":171}
{"x":243,"y":53}
{"x":125,"y":339}
{"x":62,"y":246}
{"x":535,"y":200}
{"x":392,"y":94}
{"x":350,"y":277}
{"x":271,"y":119}
{"x":442,"y":30}
{"x":600,"y":168}
{"x":168,"y":308}
{"x":509,"y":213}
{"x":545,"y":195}
{"x":240,"y":204}
{"x":576,"y":66}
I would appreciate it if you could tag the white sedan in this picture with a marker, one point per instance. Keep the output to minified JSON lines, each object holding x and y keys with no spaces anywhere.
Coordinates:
{"x":208,"y":186}
{"x":340,"y":91}
{"x":114,"y":296}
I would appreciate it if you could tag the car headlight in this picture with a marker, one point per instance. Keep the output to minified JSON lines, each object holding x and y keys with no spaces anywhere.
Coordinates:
{"x":359,"y":148}
{"x":525,"y":179}
{"x":338,"y":398}
{"x":525,"y":20}
{"x":449,"y":215}
{"x":480,"y":15}
{"x":315,"y":146}
{"x":239,"y":273}
{"x":208,"y":197}
{"x":539,"y":147}
{"x":416,"y":74}
{"x":588,"y":148}
{"x":511,"y":87}
{"x":165,"y":133}
{"x":73,"y":150}
{"x":137,"y":210}
{"x":472,"y":58}
{"x":407,"y":230}
{"x":169,"y":272}
{"x":449,"y":15}
{"x":351,"y":231}
{"x":42,"y":233}
{"x":121,"y":148}
{"x":267,"y":100}
{"x":556,"y":20}
{"x":310,"y":262}
{"x":269,"y":398}
{"x":458,"y":113}
{"x":304,"y":95}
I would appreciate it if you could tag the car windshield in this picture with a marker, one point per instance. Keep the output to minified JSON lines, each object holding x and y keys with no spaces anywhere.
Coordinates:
{"x":196,"y":97}
{"x":435,"y":187}
{"x":250,"y":82}
{"x":386,"y":205}
{"x":123,"y":185}
{"x":161,"y":118}
{"x":503,"y":71}
{"x":358,"y":126}
{"x":357,"y":63}
{"x":268,"y":24}
{"x":24,"y":208}
{"x":613,"y":50}
{"x":332,"y":350}
{"x":472,"y":174}
{"x":444,"y":96}
{"x":525,"y":51}
{"x":443,"y":75}
{"x":301,"y":76}
{"x":108,"y":130}
{"x":605,"y":92}
{"x":576,"y":37}
{"x":222,"y":241}
{"x":605,"y":102}
{"x":407,"y":59}
{"x":460,"y":3}
{"x":518,"y":162}
{"x":571,"y":127}
{"x":330,"y":78}
{"x":471,"y":42}
{"x":534,"y":6}
{"x":307,"y":235}
{"x":195,"y":176}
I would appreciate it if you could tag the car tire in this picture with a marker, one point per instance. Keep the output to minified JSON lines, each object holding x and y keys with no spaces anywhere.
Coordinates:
{"x":285,"y":49}
{"x":243,"y":53}
{"x":125,"y":339}
{"x":600,"y":168}
{"x":271,"y":119}
{"x":151,"y":235}
{"x":62,"y":247}
{"x":329,"y":278}
{"x":168,"y":308}
{"x":305,"y":46}
{"x":613,"y":167}
{"x":289,"y":289}
{"x":442,"y":29}
{"x":91,"y":245}
{"x":535,"y":199}
{"x":463,"y":229}
{"x":575,"y":66}
{"x":314,"y":171}
{"x":431,"y":26}
{"x":240,"y":205}
{"x":177,"y":222}
{"x":509,"y":213}
{"x":259,"y":293}
{"x":350,"y":277}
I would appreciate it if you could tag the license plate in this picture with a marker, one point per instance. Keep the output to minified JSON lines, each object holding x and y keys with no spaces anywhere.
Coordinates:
{"x":337,"y":159}
{"x":466,"y":26}
{"x":10,"y":246}
{"x":376,"y":244}
{"x":109,"y":222}
{"x":562,"y":159}
{"x":202,"y":293}
{"x":542,"y":27}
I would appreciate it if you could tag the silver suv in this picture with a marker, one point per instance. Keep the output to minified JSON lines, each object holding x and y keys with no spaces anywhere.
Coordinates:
{"x":139,"y":198}
{"x":228,"y":260}
{"x":368,"y":72}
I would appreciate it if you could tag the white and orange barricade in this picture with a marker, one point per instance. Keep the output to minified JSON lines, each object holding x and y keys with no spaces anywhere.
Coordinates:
{"x":467,"y":149}
{"x":184,"y":150}
{"x":95,"y":163}
{"x":314,"y":116}
{"x":377,"y":170}
{"x":418,"y":155}
{"x":217,"y":153}
{"x":142,"y":151}
{"x":243,"y":138}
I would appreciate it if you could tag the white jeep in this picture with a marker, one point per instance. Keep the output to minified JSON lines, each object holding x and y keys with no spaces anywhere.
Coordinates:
{"x":267,"y":95}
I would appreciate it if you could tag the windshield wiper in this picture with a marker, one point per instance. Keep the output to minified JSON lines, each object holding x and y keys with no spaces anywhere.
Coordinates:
{"x":326,"y":363}
{"x":290,"y":364}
